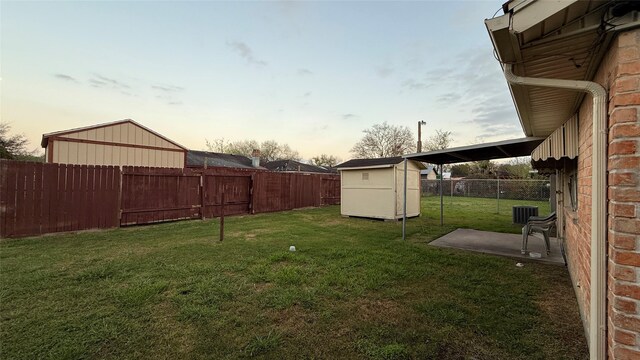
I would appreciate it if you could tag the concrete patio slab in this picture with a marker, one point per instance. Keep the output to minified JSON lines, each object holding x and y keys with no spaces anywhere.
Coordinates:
{"x":499,"y":244}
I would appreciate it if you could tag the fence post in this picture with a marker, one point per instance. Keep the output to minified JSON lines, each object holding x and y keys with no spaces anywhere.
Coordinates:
{"x":252,"y":203}
{"x":119,"y":210}
{"x":202,"y":179}
{"x":498,"y":195}
{"x":222,"y":216}
{"x":451,"y":193}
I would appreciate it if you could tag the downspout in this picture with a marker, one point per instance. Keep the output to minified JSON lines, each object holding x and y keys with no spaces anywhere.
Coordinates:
{"x":598,"y":281}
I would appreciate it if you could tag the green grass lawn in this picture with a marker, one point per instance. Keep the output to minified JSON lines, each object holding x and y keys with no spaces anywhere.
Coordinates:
{"x":353,"y":289}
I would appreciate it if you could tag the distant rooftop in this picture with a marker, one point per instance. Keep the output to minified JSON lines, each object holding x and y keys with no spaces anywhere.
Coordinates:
{"x":197,"y":158}
{"x":293,"y":165}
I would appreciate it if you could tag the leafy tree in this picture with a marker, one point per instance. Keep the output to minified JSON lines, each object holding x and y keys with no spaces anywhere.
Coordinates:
{"x":14,"y":147}
{"x":384,"y":140}
{"x":324,"y":160}
{"x":519,"y":168}
{"x":461,"y":170}
{"x":441,"y":140}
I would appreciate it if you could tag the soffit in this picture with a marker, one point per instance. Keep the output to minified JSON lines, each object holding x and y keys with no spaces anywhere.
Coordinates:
{"x":567,"y":43}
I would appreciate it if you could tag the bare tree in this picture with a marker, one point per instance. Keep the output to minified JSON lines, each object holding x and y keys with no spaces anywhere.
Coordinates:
{"x":384,"y":140}
{"x":269,"y":150}
{"x":441,"y":140}
{"x":324,"y":160}
{"x":242,"y":147}
{"x":217,"y":145}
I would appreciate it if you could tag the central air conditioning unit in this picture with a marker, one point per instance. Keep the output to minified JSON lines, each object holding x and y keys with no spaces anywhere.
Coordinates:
{"x":520,"y":214}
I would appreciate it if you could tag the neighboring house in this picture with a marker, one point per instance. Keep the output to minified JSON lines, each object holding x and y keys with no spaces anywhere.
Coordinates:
{"x":295,"y":166}
{"x":430,"y":173}
{"x":200,"y":159}
{"x":120,"y":143}
{"x":373,"y":188}
{"x":573,"y":70}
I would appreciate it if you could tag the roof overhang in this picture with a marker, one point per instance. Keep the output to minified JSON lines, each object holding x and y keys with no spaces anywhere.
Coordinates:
{"x":553,"y":39}
{"x":487,"y":151}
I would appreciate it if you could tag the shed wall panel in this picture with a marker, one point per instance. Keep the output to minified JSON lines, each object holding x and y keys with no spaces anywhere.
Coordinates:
{"x":378,"y":192}
{"x":413,"y":190}
{"x":69,"y":152}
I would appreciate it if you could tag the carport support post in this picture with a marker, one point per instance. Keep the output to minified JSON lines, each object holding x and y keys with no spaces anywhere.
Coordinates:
{"x":441,"y":199}
{"x":404,"y":203}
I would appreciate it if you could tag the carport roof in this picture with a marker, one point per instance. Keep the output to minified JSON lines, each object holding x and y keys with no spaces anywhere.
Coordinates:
{"x":487,"y":151}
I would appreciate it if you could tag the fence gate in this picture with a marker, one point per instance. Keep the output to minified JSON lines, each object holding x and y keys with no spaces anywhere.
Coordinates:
{"x":237,"y":190}
{"x":330,"y":191}
{"x":155,"y":194}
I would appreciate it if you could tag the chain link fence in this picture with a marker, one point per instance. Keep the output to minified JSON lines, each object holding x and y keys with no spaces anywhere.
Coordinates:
{"x":506,"y":192}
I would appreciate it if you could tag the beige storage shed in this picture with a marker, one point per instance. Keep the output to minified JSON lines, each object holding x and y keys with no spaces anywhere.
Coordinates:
{"x":120,"y":143}
{"x":374,"y":188}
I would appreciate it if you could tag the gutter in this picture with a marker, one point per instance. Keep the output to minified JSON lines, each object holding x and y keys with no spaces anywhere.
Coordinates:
{"x":598,"y":280}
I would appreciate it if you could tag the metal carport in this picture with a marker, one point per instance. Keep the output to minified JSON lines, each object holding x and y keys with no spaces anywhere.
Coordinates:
{"x":487,"y":151}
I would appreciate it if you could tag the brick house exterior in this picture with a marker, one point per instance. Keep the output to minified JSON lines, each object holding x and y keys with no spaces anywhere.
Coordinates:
{"x":612,"y":59}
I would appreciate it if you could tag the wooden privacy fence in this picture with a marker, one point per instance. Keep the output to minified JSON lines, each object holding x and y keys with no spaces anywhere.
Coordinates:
{"x":40,"y":198}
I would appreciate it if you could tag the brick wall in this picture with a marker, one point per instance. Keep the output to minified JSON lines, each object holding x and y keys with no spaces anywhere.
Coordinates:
{"x":624,"y":199}
{"x":619,"y":73}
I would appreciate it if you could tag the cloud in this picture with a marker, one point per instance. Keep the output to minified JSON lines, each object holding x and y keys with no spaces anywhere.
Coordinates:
{"x":167,"y":88}
{"x":449,"y":98}
{"x":65,"y":77}
{"x":474,"y":77}
{"x":349,"y":116}
{"x":413,"y":84}
{"x":102,"y":82}
{"x":495,"y":117}
{"x":167,"y":93}
{"x":307,"y":94}
{"x":384,"y":71}
{"x":303,"y":72}
{"x":245,"y":52}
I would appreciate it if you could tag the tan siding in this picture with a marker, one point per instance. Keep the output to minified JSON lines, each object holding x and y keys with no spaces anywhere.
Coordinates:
{"x":145,"y":138}
{"x":413,"y":190}
{"x":70,"y":152}
{"x":139,"y":132}
{"x":92,"y":134}
{"x":131,"y":134}
{"x":138,"y":155}
{"x":61,"y":152}
{"x":82,"y":154}
{"x":116,"y":133}
{"x":379,"y":193}
{"x":72,"y":135}
{"x":108,"y":134}
{"x":72,"y":157}
{"x":99,"y":155}
{"x":108,"y":156}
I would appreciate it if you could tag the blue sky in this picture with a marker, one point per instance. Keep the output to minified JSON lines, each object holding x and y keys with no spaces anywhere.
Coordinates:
{"x":310,"y":74}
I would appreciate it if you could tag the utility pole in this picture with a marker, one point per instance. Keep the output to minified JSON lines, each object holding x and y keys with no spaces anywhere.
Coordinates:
{"x":420,"y":123}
